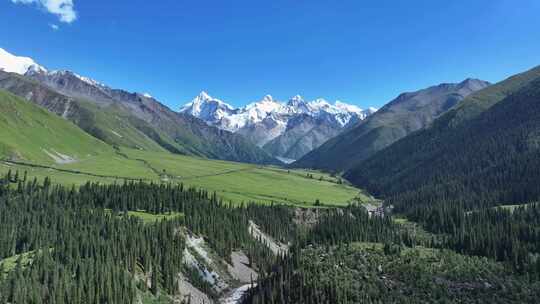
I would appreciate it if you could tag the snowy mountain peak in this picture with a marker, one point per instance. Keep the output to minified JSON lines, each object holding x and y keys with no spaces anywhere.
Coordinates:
{"x":267,"y":120}
{"x":297,"y":105}
{"x":348,"y":107}
{"x":204,"y":96}
{"x":370,"y":110}
{"x":35,"y":68}
{"x":222,"y":115}
{"x":207,"y":108}
{"x":63,"y":73}
{"x":321,"y":104}
{"x":297,"y":98}
{"x":27,"y":66}
{"x":295,"y":101}
{"x":265,"y":105}
{"x":268,"y":98}
{"x":15,"y":64}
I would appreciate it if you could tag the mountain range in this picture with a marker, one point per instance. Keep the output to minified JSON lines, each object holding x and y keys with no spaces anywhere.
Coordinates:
{"x":405,"y":114}
{"x":122,"y":118}
{"x":287,"y":130}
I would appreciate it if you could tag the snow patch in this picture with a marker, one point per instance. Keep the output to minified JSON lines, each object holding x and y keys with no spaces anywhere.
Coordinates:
{"x":15,"y":64}
{"x":286,"y":160}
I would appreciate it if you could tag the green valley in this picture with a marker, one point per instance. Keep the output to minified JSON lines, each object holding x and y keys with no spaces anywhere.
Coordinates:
{"x":346,"y":152}
{"x":48,"y":145}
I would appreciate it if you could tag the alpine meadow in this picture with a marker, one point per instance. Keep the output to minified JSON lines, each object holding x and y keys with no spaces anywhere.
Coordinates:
{"x":269,"y":152}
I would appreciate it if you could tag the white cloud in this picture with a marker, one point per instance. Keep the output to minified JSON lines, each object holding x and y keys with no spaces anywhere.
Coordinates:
{"x":64,"y":9}
{"x":54,"y":26}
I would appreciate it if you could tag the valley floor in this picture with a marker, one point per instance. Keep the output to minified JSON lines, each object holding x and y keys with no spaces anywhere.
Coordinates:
{"x":236,"y":182}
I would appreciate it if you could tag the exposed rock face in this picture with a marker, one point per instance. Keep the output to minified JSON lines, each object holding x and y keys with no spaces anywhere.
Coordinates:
{"x":285,"y":130}
{"x":303,"y":134}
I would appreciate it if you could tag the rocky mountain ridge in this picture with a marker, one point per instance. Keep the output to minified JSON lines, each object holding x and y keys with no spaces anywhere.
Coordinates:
{"x":274,"y":125}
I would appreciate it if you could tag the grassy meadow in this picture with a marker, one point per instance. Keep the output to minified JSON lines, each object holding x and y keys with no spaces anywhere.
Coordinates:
{"x":236,"y":182}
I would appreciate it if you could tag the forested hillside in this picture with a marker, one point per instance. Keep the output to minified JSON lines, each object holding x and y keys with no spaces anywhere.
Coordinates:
{"x":129,"y":242}
{"x":65,"y":245}
{"x":405,"y":114}
{"x":483,"y":159}
{"x":349,"y":257}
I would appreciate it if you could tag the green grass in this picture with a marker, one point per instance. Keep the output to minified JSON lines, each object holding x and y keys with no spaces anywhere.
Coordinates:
{"x":113,"y":165}
{"x":149,"y":218}
{"x":480,"y":101}
{"x":148,"y":298}
{"x":28,"y":132}
{"x":245,"y":182}
{"x":414,"y":229}
{"x":63,"y":178}
{"x":115,"y":128}
{"x":10,"y":263}
{"x":236,"y":182}
{"x":421,"y":251}
{"x":511,"y":208}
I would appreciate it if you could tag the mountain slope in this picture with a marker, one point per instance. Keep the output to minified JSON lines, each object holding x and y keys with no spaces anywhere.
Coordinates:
{"x":303,"y":134}
{"x":175,"y":132}
{"x":486,"y":151}
{"x":106,"y":124}
{"x":123,"y":118}
{"x":407,"y":113}
{"x":28,"y":132}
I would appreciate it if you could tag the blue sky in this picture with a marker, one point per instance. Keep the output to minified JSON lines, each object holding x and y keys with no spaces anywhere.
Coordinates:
{"x":362,"y":52}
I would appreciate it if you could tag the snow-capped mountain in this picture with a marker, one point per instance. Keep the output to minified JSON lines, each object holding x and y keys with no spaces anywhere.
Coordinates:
{"x":267,"y":119}
{"x":28,"y":67}
{"x":209,"y":109}
{"x":15,"y":64}
{"x":216,"y":112}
